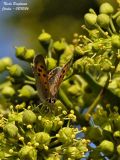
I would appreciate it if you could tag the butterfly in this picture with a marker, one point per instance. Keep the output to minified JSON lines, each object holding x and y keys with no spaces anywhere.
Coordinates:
{"x":48,"y":83}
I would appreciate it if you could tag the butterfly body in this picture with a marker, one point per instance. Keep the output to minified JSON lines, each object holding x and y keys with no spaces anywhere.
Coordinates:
{"x":47,"y":83}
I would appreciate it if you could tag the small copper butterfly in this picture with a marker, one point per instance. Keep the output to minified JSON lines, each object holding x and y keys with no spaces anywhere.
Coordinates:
{"x":47,"y":83}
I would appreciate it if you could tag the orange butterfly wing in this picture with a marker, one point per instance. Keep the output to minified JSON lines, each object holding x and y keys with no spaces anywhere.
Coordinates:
{"x":41,"y":76}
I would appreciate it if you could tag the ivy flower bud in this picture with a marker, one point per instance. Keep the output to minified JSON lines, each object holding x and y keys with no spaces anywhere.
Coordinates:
{"x":44,"y":38}
{"x":8,"y":91}
{"x":27,"y":92}
{"x":116,"y":134}
{"x":7,"y":61}
{"x":118,"y":21}
{"x":90,"y":19}
{"x":42,"y":138}
{"x":103,"y":20}
{"x":29,"y":117}
{"x":106,"y":8}
{"x":4,"y":63}
{"x":28,"y":152}
{"x":66,"y":135}
{"x":29,"y":55}
{"x":59,"y":47}
{"x":20,"y":52}
{"x":118,"y":149}
{"x":11,"y":130}
{"x":106,"y":147}
{"x":115,"y":40}
{"x":16,"y":71}
{"x":51,"y":63}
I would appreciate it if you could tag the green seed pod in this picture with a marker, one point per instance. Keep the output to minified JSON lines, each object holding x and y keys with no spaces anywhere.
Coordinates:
{"x":118,"y":149}
{"x":44,"y":39}
{"x":51,"y":63}
{"x":29,"y":117}
{"x":90,"y":19}
{"x":106,"y":8}
{"x":115,"y":40}
{"x":28,"y":153}
{"x":20,"y":52}
{"x":103,"y":20}
{"x":29,"y":55}
{"x":118,"y":21}
{"x":8,"y":91}
{"x":73,"y":153}
{"x":11,"y":130}
{"x":16,"y":71}
{"x":42,"y":138}
{"x":106,"y":147}
{"x":66,"y":135}
{"x":27,"y":92}
{"x":59,"y":47}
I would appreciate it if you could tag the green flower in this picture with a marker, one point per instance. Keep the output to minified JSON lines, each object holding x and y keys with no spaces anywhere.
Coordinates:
{"x":66,"y":135}
{"x":28,"y":153}
{"x":42,"y":138}
{"x":11,"y":130}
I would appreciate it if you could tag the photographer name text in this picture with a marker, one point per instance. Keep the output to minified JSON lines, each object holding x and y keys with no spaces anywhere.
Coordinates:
{"x":15,"y":6}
